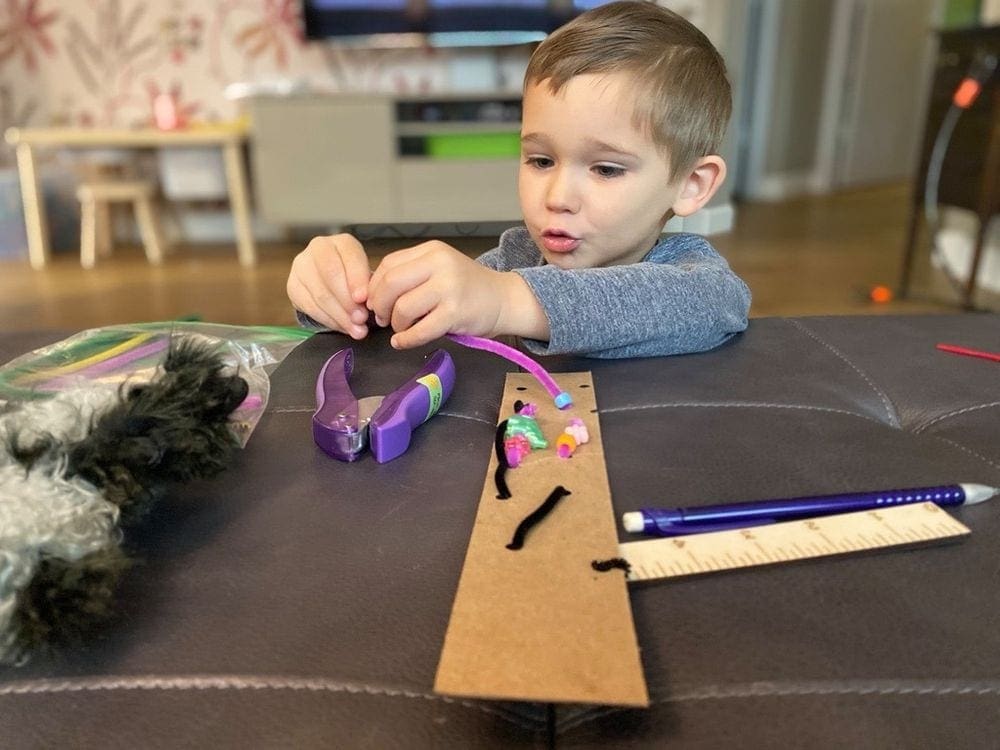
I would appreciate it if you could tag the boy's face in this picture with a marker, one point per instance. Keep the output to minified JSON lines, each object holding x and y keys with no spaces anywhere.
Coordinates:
{"x":594,"y":190}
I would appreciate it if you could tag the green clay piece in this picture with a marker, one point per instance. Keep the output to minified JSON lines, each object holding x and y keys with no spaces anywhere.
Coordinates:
{"x":527,"y":426}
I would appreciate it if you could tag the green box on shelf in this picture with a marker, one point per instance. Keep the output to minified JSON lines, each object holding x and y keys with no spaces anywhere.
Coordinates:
{"x":473,"y":145}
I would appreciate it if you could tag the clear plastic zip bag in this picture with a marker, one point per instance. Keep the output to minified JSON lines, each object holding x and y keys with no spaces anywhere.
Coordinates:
{"x":134,"y":353}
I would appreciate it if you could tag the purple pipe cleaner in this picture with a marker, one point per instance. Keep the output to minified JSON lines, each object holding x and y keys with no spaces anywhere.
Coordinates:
{"x":562,"y":399}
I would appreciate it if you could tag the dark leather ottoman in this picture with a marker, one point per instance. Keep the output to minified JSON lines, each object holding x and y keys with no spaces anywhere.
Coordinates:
{"x":301,"y":602}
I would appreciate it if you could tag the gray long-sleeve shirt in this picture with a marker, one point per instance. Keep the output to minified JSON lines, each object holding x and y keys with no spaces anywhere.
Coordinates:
{"x":681,"y":298}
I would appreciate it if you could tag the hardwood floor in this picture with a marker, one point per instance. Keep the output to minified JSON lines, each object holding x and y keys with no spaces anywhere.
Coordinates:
{"x":804,"y":257}
{"x":822,"y":256}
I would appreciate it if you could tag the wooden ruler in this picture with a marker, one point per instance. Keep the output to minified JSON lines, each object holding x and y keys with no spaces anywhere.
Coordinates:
{"x":788,"y":541}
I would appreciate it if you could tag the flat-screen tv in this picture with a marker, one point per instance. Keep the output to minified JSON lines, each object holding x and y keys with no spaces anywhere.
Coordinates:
{"x":437,"y":22}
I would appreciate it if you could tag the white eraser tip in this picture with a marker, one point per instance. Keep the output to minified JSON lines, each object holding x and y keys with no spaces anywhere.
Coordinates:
{"x":633,"y":522}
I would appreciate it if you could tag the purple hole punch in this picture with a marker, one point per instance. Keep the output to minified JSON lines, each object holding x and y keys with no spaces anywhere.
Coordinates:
{"x":343,"y":425}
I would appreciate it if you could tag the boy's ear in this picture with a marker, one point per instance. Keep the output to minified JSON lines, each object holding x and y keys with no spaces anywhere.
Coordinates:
{"x":699,"y":185}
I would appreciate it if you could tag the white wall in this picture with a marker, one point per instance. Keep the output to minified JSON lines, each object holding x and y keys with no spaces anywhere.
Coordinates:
{"x":836,"y":92}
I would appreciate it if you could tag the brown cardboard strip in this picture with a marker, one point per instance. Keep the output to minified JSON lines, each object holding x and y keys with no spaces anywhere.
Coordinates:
{"x":540,"y":623}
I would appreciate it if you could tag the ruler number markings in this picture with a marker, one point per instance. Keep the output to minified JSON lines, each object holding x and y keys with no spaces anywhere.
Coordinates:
{"x":785,"y":542}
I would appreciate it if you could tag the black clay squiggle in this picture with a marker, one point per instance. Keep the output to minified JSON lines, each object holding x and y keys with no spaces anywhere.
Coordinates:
{"x":536,"y":516}
{"x":602,"y":566}
{"x":500,"y":476}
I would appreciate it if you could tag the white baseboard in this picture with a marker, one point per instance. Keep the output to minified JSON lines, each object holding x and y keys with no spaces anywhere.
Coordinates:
{"x":708,"y":221}
{"x":783,"y":185}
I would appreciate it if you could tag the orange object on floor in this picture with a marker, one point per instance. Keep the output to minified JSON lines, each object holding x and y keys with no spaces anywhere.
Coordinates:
{"x":880,"y":294}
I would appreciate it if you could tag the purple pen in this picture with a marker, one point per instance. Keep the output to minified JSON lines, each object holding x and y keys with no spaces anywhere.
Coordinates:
{"x":695,"y":520}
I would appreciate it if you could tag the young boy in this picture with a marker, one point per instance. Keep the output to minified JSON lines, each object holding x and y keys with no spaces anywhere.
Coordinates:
{"x":624,"y":110}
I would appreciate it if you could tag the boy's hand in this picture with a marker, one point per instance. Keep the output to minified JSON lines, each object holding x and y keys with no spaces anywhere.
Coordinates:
{"x":432,"y":289}
{"x":329,"y":283}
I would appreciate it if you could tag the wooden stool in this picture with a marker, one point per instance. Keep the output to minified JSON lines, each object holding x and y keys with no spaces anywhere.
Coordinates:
{"x":95,"y":225}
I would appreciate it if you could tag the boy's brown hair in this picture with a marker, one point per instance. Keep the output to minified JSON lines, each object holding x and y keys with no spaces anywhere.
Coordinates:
{"x":681,"y":93}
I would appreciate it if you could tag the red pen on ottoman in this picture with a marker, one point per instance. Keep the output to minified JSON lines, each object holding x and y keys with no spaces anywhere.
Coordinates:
{"x":995,"y":356}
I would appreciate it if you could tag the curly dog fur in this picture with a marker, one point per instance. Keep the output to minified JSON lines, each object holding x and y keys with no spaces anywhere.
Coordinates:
{"x":78,"y":469}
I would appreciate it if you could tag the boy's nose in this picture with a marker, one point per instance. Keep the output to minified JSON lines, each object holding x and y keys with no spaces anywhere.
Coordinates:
{"x":561,"y":193}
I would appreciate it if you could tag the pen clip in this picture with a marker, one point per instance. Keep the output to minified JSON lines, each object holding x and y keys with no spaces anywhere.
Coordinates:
{"x":680,"y":528}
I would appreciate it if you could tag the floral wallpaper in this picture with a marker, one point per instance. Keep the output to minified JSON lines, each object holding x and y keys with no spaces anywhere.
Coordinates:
{"x":102,"y":62}
{"x":93,"y":63}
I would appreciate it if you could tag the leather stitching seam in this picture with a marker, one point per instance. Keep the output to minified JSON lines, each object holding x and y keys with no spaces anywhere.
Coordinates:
{"x":236,"y":682}
{"x":741,"y":405}
{"x":957,"y":412}
{"x":890,"y":412}
{"x":779,"y":690}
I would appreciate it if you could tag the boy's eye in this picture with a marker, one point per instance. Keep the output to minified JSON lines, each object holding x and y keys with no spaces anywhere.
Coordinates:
{"x":542,"y":162}
{"x":609,"y":170}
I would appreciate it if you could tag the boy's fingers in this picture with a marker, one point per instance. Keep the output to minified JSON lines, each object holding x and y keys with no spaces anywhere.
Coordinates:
{"x":354,"y":262}
{"x":429,"y":328}
{"x":330,"y":289}
{"x":300,"y":293}
{"x":386,"y":290}
{"x":330,"y":276}
{"x":321,"y":305}
{"x":331,"y":282}
{"x":304,"y":301}
{"x":412,"y":306}
{"x":394,"y":260}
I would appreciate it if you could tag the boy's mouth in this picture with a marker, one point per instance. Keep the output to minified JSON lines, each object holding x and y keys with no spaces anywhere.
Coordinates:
{"x":558,"y":241}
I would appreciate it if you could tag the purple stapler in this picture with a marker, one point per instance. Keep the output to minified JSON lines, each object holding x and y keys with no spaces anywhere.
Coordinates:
{"x":344,"y":425}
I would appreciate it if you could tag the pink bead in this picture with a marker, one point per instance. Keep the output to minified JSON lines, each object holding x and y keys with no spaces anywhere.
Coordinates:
{"x":578,"y":430}
{"x":516,"y":448}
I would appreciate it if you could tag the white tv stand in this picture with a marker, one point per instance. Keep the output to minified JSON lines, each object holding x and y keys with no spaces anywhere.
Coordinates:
{"x":336,"y":159}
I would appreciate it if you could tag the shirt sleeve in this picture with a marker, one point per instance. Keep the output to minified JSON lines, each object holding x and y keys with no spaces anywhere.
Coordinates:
{"x":515,"y":250}
{"x":681,"y":298}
